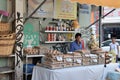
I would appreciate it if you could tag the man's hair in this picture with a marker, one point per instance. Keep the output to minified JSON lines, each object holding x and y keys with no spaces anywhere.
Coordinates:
{"x":77,"y":34}
{"x":113,"y":36}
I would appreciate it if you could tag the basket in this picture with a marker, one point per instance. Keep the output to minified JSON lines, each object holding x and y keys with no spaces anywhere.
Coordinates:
{"x":6,"y":47}
{"x":7,"y":36}
{"x":4,"y":28}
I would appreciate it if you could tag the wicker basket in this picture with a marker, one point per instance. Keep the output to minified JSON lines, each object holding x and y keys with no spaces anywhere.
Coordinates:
{"x":4,"y":28}
{"x":6,"y":47}
{"x":7,"y":36}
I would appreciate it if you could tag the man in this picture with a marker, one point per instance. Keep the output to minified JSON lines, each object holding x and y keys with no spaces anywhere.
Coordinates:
{"x":77,"y":44}
{"x":114,"y":46}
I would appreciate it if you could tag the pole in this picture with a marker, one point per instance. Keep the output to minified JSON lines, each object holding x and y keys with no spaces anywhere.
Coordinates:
{"x":100,"y":26}
{"x":100,"y":17}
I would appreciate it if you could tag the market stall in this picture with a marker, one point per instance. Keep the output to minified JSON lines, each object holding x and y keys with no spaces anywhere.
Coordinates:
{"x":83,"y":64}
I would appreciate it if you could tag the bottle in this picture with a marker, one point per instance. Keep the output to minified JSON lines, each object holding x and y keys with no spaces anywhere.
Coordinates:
{"x":48,"y":37}
{"x":47,"y":28}
{"x":54,"y":37}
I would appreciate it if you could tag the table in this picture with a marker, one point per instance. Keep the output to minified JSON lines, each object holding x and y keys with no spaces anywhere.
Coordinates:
{"x":94,"y":72}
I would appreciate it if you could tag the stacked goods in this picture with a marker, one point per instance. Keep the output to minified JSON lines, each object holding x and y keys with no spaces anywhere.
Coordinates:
{"x":7,"y":39}
{"x":97,"y":51}
{"x":68,"y":60}
{"x":85,"y":56}
{"x":109,"y":57}
{"x":100,"y":54}
{"x":101,"y":58}
{"x":43,"y":50}
{"x":86,"y":59}
{"x":77,"y":59}
{"x":53,"y":60}
{"x":93,"y":59}
{"x":33,"y":50}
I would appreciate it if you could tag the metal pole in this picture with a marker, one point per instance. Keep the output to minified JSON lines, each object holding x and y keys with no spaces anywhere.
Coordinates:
{"x":100,"y":18}
{"x":34,"y":11}
{"x":100,"y":26}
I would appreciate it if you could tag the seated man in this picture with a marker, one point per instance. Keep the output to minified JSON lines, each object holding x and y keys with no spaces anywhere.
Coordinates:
{"x":77,"y":44}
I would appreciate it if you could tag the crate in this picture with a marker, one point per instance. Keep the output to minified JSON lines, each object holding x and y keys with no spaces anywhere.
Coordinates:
{"x":31,"y":51}
{"x":58,"y":59}
{"x":6,"y":47}
{"x":77,"y":59}
{"x":52,"y":66}
{"x":86,"y":59}
{"x":68,"y":60}
{"x":94,"y":59}
{"x":65,"y":65}
{"x":101,"y":58}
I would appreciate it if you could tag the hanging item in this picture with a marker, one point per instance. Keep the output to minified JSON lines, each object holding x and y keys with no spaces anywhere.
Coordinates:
{"x":64,"y":9}
{"x":108,"y":3}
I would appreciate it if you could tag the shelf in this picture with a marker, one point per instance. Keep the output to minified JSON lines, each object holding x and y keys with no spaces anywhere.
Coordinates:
{"x":6,"y":70}
{"x":58,"y":41}
{"x":8,"y":56}
{"x":60,"y":31}
{"x":34,"y":55}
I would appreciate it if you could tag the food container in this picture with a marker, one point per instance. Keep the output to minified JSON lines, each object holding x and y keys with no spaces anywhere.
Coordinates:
{"x":77,"y":59}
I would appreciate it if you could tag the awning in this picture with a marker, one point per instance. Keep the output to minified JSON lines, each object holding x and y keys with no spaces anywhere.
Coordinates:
{"x":107,"y":3}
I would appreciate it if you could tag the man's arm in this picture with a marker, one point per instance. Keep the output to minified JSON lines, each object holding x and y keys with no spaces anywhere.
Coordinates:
{"x":71,"y":48}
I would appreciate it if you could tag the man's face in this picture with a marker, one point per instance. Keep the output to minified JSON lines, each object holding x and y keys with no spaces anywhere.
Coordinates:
{"x":113,"y":40}
{"x":78,"y":39}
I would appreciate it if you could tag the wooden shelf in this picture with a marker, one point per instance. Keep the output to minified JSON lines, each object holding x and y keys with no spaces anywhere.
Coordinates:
{"x":58,"y":41}
{"x":8,"y":56}
{"x":60,"y":31}
{"x":6,"y":70}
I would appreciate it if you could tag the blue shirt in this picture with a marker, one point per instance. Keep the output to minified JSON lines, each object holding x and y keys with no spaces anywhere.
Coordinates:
{"x":75,"y":46}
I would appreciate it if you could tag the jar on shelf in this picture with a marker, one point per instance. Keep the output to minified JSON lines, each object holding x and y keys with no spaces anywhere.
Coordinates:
{"x":54,"y":37}
{"x":56,"y":28}
{"x":48,"y":37}
{"x":50,"y":28}
{"x":47,"y":28}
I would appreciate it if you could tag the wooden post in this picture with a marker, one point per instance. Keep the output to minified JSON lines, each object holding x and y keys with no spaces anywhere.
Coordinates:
{"x":19,"y":40}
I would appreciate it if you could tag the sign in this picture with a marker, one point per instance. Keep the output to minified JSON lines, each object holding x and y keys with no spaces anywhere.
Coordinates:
{"x":84,"y":15}
{"x":114,"y":14}
{"x":31,"y":38}
{"x":46,"y":10}
{"x":64,"y":9}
